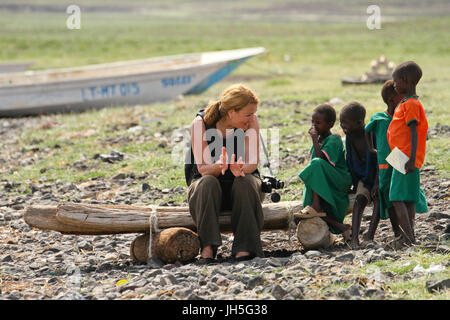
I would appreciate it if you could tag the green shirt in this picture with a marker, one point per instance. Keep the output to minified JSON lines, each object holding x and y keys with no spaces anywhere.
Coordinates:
{"x":379,"y":124}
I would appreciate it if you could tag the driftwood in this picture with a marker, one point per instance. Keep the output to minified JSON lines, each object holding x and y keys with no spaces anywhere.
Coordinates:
{"x":44,"y":218}
{"x":314,"y":233}
{"x":76,"y":218}
{"x":169,"y":245}
{"x":174,"y":242}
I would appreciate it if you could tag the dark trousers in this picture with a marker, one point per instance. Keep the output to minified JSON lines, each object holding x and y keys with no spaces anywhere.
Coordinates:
{"x":205,"y":197}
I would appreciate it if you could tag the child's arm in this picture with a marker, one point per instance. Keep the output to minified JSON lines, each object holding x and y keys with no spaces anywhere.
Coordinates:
{"x":315,"y":140}
{"x":410,"y":165}
{"x":376,"y":186}
{"x":369,"y":141}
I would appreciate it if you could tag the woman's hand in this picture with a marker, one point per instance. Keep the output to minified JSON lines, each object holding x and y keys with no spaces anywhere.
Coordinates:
{"x":237,"y":168}
{"x":223,"y":161}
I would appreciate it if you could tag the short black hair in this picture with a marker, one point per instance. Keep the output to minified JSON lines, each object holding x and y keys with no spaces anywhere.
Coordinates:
{"x":354,"y":111}
{"x":388,"y":91}
{"x":327,"y":111}
{"x":410,"y":71}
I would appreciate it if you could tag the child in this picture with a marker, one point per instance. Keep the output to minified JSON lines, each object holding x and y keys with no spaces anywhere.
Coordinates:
{"x":361,"y":163}
{"x":326,"y":178}
{"x":408,"y":132}
{"x":378,"y":126}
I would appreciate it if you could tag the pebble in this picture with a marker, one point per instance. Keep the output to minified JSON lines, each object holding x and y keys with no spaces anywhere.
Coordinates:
{"x":37,"y":264}
{"x":437,"y":284}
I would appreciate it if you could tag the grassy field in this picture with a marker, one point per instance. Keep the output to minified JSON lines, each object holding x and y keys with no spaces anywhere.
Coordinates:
{"x":308,"y":54}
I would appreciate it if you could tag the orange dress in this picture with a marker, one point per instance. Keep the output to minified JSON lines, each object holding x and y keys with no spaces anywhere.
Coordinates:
{"x":399,"y":135}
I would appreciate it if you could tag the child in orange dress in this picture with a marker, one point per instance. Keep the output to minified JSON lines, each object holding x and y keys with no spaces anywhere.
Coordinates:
{"x":408,"y":132}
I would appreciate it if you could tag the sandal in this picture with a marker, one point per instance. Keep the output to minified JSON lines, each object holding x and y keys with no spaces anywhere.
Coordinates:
{"x":309,"y":212}
{"x":244,"y":258}
{"x":206,"y":261}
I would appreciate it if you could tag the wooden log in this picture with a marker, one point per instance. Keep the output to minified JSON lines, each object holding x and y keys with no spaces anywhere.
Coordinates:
{"x":314,"y":233}
{"x":169,"y":245}
{"x":44,"y":218}
{"x":79,"y":218}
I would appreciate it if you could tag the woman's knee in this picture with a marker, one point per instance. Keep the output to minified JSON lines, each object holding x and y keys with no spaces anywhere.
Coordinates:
{"x":249,"y":183}
{"x":206,"y":184}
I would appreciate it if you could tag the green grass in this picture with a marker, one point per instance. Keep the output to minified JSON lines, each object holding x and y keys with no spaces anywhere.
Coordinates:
{"x":320,"y":55}
{"x":408,"y":284}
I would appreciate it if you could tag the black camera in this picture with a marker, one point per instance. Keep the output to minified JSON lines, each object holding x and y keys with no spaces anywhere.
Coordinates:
{"x":269,"y":183}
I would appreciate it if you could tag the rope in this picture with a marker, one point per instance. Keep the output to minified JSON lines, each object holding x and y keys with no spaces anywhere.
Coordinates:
{"x":291,"y":222}
{"x":153,"y":227}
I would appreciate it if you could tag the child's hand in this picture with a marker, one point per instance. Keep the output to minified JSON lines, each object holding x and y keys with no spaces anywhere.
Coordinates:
{"x":374,"y":191}
{"x":372,"y":150}
{"x":313,"y":133}
{"x":237,"y":168}
{"x":410,"y":166}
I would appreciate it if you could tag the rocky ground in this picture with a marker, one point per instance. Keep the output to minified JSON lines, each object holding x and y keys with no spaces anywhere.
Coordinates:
{"x":37,"y":264}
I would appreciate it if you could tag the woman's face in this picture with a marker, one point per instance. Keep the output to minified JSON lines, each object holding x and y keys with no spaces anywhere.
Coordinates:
{"x":241,"y":119}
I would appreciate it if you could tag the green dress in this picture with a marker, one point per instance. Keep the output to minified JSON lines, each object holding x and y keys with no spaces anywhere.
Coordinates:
{"x":378,"y":125}
{"x":330,"y":179}
{"x":407,"y":187}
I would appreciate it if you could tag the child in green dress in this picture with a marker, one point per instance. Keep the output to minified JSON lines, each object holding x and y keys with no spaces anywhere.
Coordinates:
{"x":326,"y":178}
{"x":378,"y":126}
{"x":408,"y":132}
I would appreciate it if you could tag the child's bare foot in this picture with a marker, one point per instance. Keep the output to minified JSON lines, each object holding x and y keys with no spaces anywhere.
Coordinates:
{"x":347,"y":232}
{"x":354,"y":243}
{"x":367,"y":237}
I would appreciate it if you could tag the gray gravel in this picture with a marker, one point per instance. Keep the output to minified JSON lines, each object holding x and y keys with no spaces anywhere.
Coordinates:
{"x":37,"y":264}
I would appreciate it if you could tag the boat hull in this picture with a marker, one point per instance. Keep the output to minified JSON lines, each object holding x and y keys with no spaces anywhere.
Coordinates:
{"x":55,"y":91}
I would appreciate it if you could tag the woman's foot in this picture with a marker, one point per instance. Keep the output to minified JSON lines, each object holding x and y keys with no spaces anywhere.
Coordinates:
{"x":206,"y":256}
{"x":207,"y":252}
{"x":243,"y":256}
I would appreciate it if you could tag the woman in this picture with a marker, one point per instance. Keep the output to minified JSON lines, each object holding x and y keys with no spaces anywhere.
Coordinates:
{"x":222,"y":174}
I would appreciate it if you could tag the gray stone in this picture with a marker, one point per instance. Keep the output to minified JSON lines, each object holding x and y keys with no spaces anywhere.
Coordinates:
{"x":353,"y":290}
{"x":7,"y":258}
{"x":235,"y":288}
{"x":313,"y":254}
{"x":437,"y":284}
{"x":343,"y":293}
{"x":297,"y":292}
{"x":255,"y":281}
{"x":278,"y":292}
{"x":438,"y":214}
{"x":83,"y":244}
{"x":346,"y":257}
{"x":212,"y":286}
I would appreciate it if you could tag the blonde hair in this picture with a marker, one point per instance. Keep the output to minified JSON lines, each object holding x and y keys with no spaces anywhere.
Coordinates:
{"x":234,"y":97}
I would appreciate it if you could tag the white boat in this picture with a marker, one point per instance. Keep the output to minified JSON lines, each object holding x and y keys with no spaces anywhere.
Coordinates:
{"x":119,"y":83}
